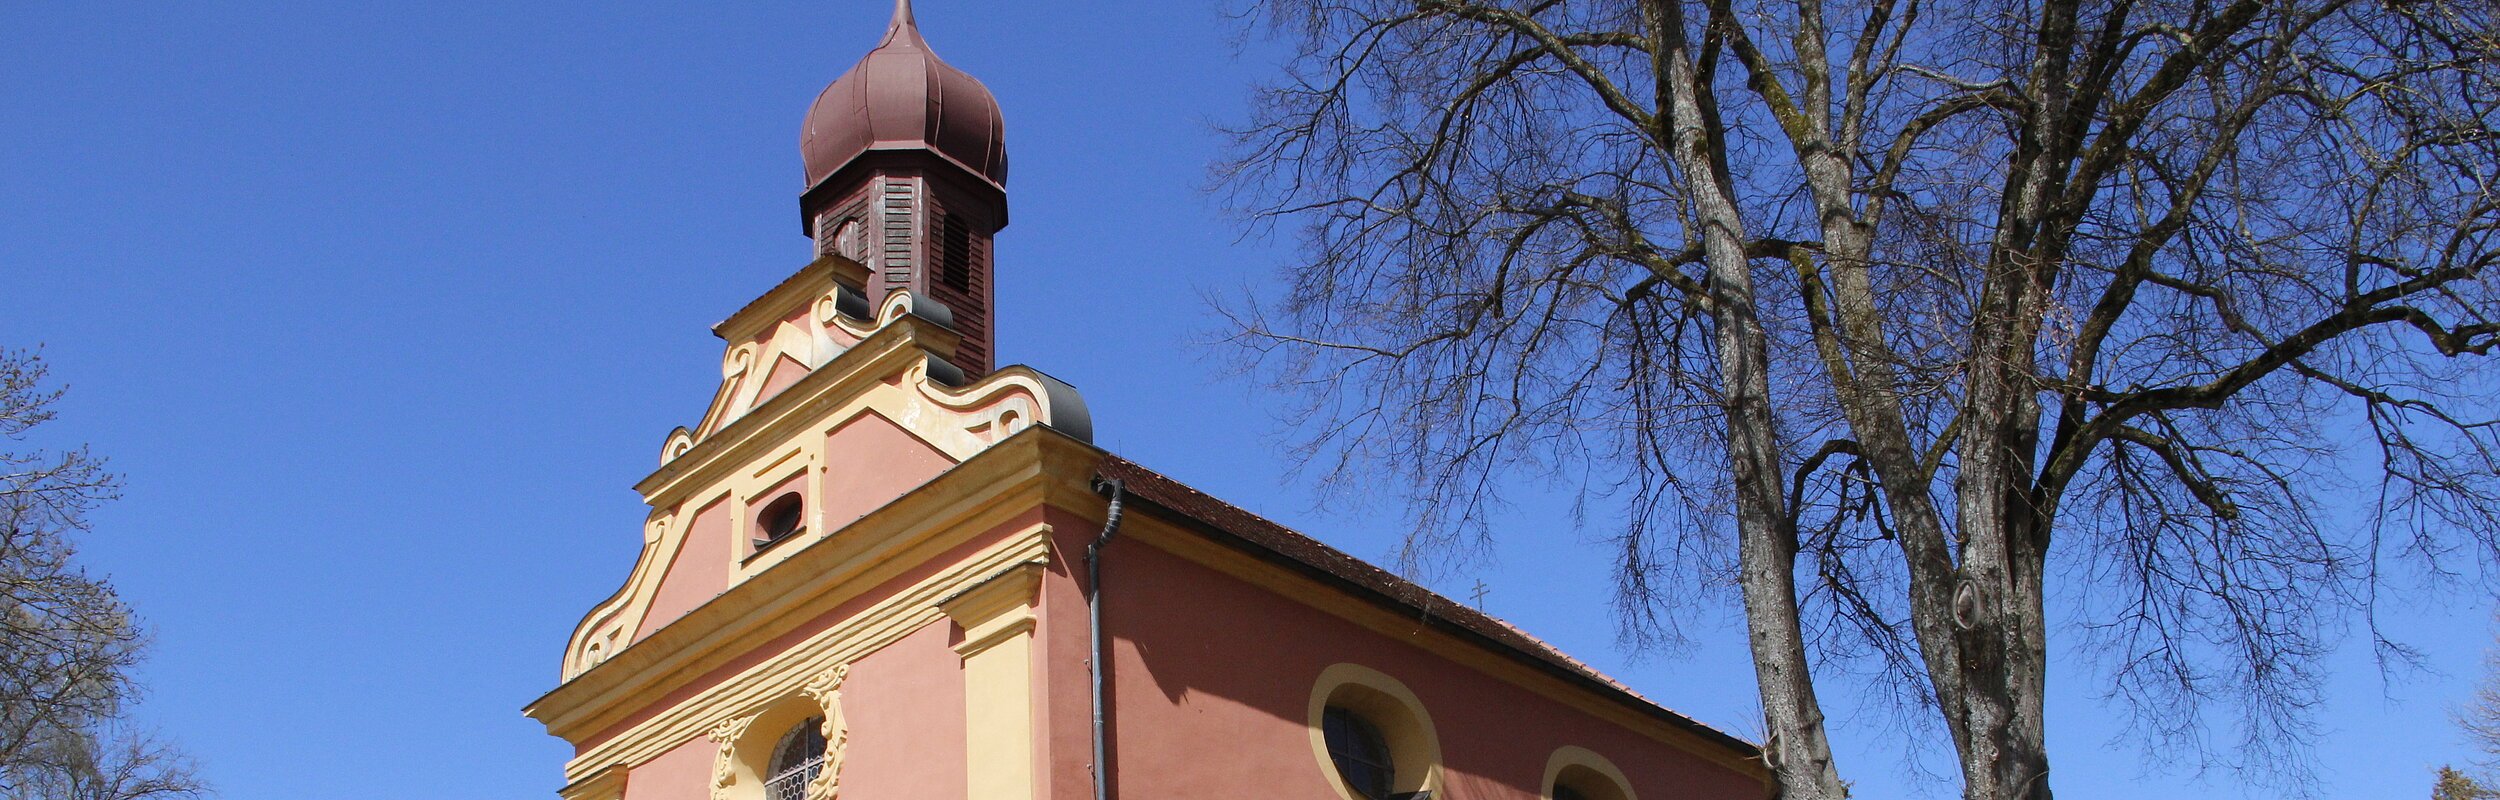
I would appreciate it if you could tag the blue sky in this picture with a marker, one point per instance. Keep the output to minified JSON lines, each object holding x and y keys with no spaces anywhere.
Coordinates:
{"x":382,"y":309}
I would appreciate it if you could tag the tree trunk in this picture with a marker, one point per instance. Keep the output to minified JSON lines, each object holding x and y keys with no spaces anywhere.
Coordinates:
{"x":1798,"y":749}
{"x":1999,"y":629}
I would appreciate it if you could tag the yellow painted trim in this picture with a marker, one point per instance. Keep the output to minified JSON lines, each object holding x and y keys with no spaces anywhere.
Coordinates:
{"x":607,"y":783}
{"x":886,"y":375}
{"x":998,"y":721}
{"x":998,"y":607}
{"x":901,"y":344}
{"x":787,"y":340}
{"x":958,"y":424}
{"x":733,"y":444}
{"x":817,"y":278}
{"x":785,"y":674}
{"x":625,"y":613}
{"x":1570,"y":756}
{"x":764,"y":468}
{"x":735,"y":363}
{"x":1029,"y":472}
{"x":997,"y":618}
{"x":747,"y":742}
{"x":726,"y":736}
{"x":603,"y":629}
{"x":826,"y":690}
{"x":1020,"y":475}
{"x":1414,"y":744}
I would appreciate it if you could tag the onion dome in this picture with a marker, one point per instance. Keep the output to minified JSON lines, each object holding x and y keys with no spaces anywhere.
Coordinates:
{"x":901,"y":97}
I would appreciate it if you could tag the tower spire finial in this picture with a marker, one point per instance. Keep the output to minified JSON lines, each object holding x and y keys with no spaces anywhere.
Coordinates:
{"x":902,"y":15}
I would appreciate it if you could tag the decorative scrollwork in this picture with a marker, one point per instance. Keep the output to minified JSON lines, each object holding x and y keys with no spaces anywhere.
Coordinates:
{"x":826,"y":690}
{"x":680,"y":441}
{"x":724,"y":766}
{"x":735,"y":362}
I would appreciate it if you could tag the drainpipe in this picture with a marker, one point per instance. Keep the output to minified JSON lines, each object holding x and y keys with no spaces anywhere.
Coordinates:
{"x":1093,"y":612}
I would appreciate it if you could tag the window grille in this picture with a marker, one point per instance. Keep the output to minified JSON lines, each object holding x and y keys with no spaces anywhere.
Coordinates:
{"x":796,"y":760}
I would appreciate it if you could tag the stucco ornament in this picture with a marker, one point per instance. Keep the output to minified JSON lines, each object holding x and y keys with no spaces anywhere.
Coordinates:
{"x":826,"y":690}
{"x":680,"y":441}
{"x":736,"y":361}
{"x":724,"y":765}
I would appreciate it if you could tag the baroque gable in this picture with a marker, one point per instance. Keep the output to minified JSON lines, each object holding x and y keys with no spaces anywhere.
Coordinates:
{"x":873,"y":410}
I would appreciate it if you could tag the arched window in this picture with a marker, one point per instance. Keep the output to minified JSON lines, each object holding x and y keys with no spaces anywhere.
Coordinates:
{"x":796,"y":760}
{"x":1359,"y":751}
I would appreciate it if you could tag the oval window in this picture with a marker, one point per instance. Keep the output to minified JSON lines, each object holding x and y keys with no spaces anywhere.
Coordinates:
{"x":1371,"y":736}
{"x":780,"y":519}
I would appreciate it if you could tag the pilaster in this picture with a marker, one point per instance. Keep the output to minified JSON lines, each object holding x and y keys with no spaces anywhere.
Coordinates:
{"x":997,"y":617}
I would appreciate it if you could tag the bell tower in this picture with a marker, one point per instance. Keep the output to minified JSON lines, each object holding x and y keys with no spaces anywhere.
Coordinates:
{"x":907,"y":175}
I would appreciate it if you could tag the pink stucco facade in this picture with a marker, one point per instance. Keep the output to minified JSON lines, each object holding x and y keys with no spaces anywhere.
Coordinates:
{"x":928,"y":613}
{"x":685,"y":771}
{"x":878,"y":461}
{"x":1214,"y":675}
{"x":697,"y":572}
{"x":1211,"y":678}
{"x":925,"y":650}
{"x":905,"y":715}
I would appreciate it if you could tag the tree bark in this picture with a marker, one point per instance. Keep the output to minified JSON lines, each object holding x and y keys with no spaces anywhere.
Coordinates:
{"x":1799,"y":749}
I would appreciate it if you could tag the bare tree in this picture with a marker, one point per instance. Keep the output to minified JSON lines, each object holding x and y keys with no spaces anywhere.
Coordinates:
{"x":66,"y":640}
{"x":2166,"y":317}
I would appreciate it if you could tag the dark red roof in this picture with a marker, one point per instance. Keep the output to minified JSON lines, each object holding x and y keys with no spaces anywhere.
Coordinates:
{"x":901,"y":97}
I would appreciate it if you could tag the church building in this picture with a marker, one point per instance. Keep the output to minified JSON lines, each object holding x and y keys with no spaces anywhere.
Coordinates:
{"x":883,"y":567}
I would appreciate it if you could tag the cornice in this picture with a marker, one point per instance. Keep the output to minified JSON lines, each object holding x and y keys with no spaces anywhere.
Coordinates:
{"x":824,"y":273}
{"x":784,"y":675}
{"x":608,"y":783}
{"x":928,"y":163}
{"x":996,"y":608}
